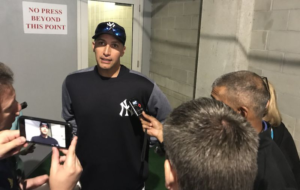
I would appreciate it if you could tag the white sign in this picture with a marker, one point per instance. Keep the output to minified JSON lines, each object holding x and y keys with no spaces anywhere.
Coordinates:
{"x":44,"y":18}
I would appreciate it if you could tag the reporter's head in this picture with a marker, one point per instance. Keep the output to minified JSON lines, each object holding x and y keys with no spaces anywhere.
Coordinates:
{"x":245,"y":92}
{"x":9,"y":107}
{"x":210,"y":147}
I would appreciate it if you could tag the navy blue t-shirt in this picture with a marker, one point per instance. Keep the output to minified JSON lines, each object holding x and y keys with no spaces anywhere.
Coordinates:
{"x":48,"y":140}
{"x":110,"y":137}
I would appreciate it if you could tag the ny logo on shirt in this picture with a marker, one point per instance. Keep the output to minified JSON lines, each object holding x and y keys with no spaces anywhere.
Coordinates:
{"x":125,"y":107}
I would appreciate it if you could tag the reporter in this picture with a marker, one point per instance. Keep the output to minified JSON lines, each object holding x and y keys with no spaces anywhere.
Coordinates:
{"x":11,"y":143}
{"x":63,"y":177}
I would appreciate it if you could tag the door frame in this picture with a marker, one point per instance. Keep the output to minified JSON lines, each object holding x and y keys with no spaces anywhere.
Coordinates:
{"x":137,"y":32}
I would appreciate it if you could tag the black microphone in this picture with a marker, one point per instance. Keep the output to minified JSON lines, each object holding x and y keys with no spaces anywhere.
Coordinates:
{"x":24,"y":105}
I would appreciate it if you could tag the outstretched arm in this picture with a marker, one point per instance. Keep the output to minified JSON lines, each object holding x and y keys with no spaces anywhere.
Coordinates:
{"x":153,"y":126}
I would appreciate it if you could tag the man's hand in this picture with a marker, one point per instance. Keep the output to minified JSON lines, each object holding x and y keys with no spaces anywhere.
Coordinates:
{"x":67,"y":175}
{"x":35,"y":182}
{"x":10,"y":143}
{"x":153,"y":126}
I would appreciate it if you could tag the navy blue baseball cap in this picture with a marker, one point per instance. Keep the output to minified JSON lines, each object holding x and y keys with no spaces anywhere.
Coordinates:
{"x":45,"y":124}
{"x":111,"y":28}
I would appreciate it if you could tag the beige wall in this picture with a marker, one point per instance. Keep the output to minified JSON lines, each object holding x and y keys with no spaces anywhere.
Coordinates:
{"x":174,"y":47}
{"x":275,"y":53}
{"x":101,"y":12}
{"x":224,"y":40}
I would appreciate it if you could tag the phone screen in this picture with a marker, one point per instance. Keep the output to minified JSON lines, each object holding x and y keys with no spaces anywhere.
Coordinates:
{"x":41,"y":131}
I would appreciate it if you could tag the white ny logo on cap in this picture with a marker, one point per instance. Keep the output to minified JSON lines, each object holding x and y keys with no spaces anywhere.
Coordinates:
{"x":111,"y":25}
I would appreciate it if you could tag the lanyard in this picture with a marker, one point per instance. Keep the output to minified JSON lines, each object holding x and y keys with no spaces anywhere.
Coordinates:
{"x":266,"y":127}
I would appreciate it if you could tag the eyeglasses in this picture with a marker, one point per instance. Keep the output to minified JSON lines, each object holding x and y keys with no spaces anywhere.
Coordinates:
{"x":266,"y":83}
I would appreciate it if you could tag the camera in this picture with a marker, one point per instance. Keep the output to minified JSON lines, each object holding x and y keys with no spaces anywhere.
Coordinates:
{"x":45,"y":131}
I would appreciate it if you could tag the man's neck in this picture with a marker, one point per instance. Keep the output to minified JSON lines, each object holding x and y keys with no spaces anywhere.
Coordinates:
{"x":257,"y":125}
{"x":45,"y":136}
{"x":109,"y":73}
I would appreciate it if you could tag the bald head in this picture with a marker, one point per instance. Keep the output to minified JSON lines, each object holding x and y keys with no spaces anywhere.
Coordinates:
{"x":243,"y":88}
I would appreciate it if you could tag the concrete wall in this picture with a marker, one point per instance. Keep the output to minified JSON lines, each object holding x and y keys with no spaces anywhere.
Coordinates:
{"x":175,"y":25}
{"x":275,"y":53}
{"x":146,"y":37}
{"x":224,"y":40}
{"x":102,"y":12}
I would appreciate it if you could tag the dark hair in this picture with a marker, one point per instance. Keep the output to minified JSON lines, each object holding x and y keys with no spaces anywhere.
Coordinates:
{"x":245,"y":88}
{"x":211,"y":147}
{"x":47,"y":124}
{"x":6,"y":77}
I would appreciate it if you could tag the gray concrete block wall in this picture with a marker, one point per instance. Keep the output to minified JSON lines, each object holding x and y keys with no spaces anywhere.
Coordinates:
{"x":174,"y":47}
{"x":258,"y":39}
{"x":285,"y":4}
{"x":263,"y":5}
{"x":293,"y":23}
{"x":284,"y":41}
{"x":275,"y":53}
{"x":224,"y":40}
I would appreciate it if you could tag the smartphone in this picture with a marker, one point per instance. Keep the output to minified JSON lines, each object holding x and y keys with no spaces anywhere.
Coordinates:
{"x":45,"y":131}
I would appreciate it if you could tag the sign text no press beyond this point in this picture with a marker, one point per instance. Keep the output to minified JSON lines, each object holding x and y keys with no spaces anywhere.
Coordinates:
{"x":43,"y":18}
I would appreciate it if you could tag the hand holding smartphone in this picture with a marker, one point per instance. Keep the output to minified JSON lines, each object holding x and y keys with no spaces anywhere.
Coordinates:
{"x":46,"y":132}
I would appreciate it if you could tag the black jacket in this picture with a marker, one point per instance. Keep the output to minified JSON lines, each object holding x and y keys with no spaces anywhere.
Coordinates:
{"x":274,"y":172}
{"x":285,"y":142}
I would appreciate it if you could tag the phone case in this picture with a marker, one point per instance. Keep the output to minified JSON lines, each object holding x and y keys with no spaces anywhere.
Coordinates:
{"x":45,"y":131}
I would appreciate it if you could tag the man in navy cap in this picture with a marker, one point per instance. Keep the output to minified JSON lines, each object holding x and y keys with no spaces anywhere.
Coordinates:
{"x":44,"y":137}
{"x":95,"y":101}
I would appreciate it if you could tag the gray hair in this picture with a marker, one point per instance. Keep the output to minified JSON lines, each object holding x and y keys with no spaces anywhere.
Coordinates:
{"x":211,"y":147}
{"x":245,"y":88}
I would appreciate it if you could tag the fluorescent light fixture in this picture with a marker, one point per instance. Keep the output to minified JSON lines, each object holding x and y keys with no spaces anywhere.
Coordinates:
{"x":109,"y":5}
